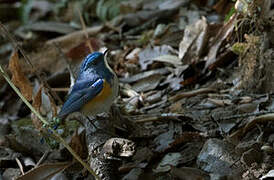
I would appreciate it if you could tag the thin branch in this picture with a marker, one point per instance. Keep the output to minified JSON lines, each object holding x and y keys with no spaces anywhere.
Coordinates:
{"x":57,"y":136}
{"x":245,"y":115}
{"x":85,"y":29}
{"x":16,"y":45}
{"x":42,"y":159}
{"x":156,"y":117}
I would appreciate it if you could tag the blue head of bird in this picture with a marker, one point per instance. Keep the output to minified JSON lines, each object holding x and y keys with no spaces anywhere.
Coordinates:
{"x":95,"y":63}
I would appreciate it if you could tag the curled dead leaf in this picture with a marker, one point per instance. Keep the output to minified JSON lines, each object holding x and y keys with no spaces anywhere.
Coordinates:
{"x":78,"y":144}
{"x":19,"y":78}
{"x":82,"y":50}
{"x":45,"y":171}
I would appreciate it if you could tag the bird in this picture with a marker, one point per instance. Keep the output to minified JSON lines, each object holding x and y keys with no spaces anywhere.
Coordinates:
{"x":95,"y":88}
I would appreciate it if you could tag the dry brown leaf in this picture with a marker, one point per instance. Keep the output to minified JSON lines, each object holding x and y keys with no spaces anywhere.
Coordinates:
{"x":223,"y":6}
{"x":220,"y":102}
{"x":182,"y":95}
{"x":237,"y":135}
{"x":78,"y":144}
{"x":194,"y":41}
{"x":19,"y":78}
{"x":44,"y":104}
{"x":148,"y":55}
{"x":82,"y":50}
{"x":222,"y":35}
{"x":69,"y":40}
{"x":176,"y":107}
{"x":45,"y":171}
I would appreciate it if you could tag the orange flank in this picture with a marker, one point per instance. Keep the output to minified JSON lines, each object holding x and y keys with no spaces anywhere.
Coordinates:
{"x":98,"y":100}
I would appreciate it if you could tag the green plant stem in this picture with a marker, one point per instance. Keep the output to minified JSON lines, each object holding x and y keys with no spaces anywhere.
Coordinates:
{"x":58,"y":137}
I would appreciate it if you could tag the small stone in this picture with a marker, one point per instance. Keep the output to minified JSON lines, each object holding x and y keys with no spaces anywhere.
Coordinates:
{"x":218,"y":157}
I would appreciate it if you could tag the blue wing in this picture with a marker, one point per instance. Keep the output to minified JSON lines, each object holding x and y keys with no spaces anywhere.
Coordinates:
{"x":82,"y":92}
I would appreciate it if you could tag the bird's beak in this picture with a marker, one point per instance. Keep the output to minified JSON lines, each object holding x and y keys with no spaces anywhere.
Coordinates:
{"x":106,"y":57}
{"x":106,"y":52}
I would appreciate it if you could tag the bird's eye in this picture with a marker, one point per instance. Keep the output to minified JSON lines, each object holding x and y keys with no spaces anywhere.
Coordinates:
{"x":95,"y":61}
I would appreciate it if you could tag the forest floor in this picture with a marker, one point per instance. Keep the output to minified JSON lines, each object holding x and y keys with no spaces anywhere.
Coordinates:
{"x":196,"y":89}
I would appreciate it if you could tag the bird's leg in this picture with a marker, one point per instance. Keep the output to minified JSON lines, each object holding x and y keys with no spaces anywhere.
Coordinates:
{"x":121,"y":121}
{"x":91,"y":122}
{"x":97,"y":128}
{"x":55,"y":122}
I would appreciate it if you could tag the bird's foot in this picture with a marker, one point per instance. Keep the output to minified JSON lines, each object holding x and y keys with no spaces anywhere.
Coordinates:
{"x":55,"y":123}
{"x":47,"y":135}
{"x":91,"y":121}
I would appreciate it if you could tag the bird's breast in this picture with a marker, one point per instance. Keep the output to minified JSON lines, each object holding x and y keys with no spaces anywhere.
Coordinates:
{"x":101,"y":102}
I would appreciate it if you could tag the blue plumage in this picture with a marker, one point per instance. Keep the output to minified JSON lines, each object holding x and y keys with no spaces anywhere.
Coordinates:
{"x":79,"y":97}
{"x":90,"y":82}
{"x":94,"y":65}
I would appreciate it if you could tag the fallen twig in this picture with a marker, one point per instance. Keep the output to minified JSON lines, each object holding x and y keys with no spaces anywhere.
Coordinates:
{"x":71,"y":39}
{"x":57,"y":136}
{"x":247,"y":115}
{"x":156,"y":117}
{"x":27,"y":59}
{"x":191,"y":93}
{"x":84,"y":27}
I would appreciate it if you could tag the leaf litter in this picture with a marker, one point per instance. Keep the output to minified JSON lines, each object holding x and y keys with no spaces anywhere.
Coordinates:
{"x":196,"y":94}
